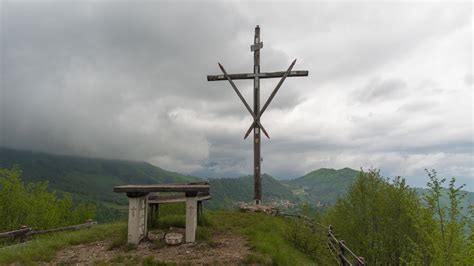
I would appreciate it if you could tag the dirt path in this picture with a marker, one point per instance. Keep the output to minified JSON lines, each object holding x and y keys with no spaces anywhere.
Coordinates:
{"x":224,"y":248}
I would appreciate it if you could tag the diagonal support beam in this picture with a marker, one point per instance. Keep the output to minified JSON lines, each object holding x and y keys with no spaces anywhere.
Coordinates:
{"x":270,"y":99}
{"x":243,"y":100}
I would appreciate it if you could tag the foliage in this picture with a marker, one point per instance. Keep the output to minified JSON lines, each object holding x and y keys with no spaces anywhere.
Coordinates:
{"x":33,"y":205}
{"x":324,"y":186}
{"x":386,"y":222}
{"x":378,"y":219}
{"x":92,"y":179}
{"x":451,"y":243}
{"x":310,"y":239}
{"x":88,"y":179}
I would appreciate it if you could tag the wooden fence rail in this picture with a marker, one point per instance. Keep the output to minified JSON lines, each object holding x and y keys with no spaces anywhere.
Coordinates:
{"x":24,"y":232}
{"x":342,"y":254}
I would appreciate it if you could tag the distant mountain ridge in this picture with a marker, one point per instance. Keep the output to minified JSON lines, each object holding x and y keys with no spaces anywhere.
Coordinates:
{"x":87,"y":179}
{"x":92,"y":179}
{"x":226,"y":192}
{"x":323,"y":186}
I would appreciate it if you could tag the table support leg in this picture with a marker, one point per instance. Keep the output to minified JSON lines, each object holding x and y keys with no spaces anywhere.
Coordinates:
{"x":137,"y":219}
{"x":191,"y":218}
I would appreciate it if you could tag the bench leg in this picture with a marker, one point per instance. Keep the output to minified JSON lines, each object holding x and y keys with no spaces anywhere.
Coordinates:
{"x":191,"y":219}
{"x":137,"y":219}
{"x":199,"y":211}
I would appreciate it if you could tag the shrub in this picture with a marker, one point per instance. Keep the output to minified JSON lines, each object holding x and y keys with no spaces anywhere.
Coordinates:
{"x":33,"y":205}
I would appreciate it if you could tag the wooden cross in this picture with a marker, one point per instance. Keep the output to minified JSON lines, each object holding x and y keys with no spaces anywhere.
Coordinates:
{"x":257,"y":113}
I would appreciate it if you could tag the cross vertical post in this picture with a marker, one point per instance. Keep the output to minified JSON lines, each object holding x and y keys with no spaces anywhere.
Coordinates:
{"x":256,"y":109}
{"x":257,"y":112}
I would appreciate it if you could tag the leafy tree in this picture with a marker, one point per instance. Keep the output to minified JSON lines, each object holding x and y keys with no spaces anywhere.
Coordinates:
{"x":33,"y":205}
{"x":12,"y":201}
{"x":381,"y":220}
{"x":453,"y":247}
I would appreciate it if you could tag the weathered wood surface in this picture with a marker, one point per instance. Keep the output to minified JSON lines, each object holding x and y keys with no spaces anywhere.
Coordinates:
{"x":25,"y":232}
{"x":264,"y":75}
{"x":174,"y":198}
{"x":139,"y":202}
{"x":256,"y":112}
{"x":66,"y":228}
{"x":162,"y":188}
{"x":16,"y":233}
{"x":257,"y":188}
{"x":252,"y":113}
{"x":269,"y":100}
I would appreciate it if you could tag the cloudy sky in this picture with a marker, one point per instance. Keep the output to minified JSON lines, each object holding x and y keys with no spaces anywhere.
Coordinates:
{"x":390,"y":85}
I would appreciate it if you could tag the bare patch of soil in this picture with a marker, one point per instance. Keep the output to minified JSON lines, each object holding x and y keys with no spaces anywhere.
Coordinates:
{"x":224,"y":248}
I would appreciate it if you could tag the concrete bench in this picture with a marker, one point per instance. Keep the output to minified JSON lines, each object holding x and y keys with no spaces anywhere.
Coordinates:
{"x":138,"y":201}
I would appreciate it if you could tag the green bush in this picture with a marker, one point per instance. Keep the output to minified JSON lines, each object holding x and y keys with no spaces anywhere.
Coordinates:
{"x":33,"y":205}
{"x":309,"y":239}
{"x":386,"y":222}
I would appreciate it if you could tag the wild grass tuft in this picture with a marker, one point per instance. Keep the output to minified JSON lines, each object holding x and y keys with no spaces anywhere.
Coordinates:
{"x":119,"y":240}
{"x":265,"y":233}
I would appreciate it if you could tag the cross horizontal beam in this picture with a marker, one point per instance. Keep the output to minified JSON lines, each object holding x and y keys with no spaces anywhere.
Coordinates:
{"x":265,"y":75}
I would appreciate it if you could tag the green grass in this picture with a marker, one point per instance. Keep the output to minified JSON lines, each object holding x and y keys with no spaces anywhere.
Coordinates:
{"x":44,"y":248}
{"x":134,"y":260}
{"x":170,"y":215}
{"x":266,"y":235}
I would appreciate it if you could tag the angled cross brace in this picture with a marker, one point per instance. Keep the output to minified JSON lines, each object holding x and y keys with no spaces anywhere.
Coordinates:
{"x":255,"y":116}
{"x":257,"y":119}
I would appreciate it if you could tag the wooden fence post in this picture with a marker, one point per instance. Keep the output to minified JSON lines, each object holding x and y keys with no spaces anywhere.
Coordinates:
{"x":342,"y":253}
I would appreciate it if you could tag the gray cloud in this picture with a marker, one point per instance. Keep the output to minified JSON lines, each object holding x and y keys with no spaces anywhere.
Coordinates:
{"x":128,"y":80}
{"x":381,"y":90}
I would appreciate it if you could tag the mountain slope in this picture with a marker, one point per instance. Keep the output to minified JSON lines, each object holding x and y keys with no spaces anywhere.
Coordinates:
{"x":323,"y":185}
{"x":226,"y":192}
{"x":88,"y":179}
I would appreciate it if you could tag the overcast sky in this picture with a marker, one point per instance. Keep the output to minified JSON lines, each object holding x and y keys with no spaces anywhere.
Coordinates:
{"x":390,"y":85}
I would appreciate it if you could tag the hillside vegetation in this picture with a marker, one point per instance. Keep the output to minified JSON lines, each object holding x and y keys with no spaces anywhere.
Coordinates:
{"x":391,"y":225}
{"x":385,"y":221}
{"x":382,"y":220}
{"x":324,"y":185}
{"x":88,"y":179}
{"x":227,"y":192}
{"x":33,"y":205}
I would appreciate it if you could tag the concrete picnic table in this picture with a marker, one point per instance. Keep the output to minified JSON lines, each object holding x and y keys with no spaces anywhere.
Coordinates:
{"x":138,"y":196}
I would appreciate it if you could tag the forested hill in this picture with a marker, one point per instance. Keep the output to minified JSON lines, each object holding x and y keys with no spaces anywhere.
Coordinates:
{"x":323,"y":185}
{"x":86,"y":178}
{"x":227,"y":192}
{"x":91,"y":179}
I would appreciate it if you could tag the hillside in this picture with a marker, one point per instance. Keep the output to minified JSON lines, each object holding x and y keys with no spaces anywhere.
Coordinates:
{"x":92,"y":179}
{"x":87,"y":179}
{"x":323,"y":185}
{"x":226,"y":192}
